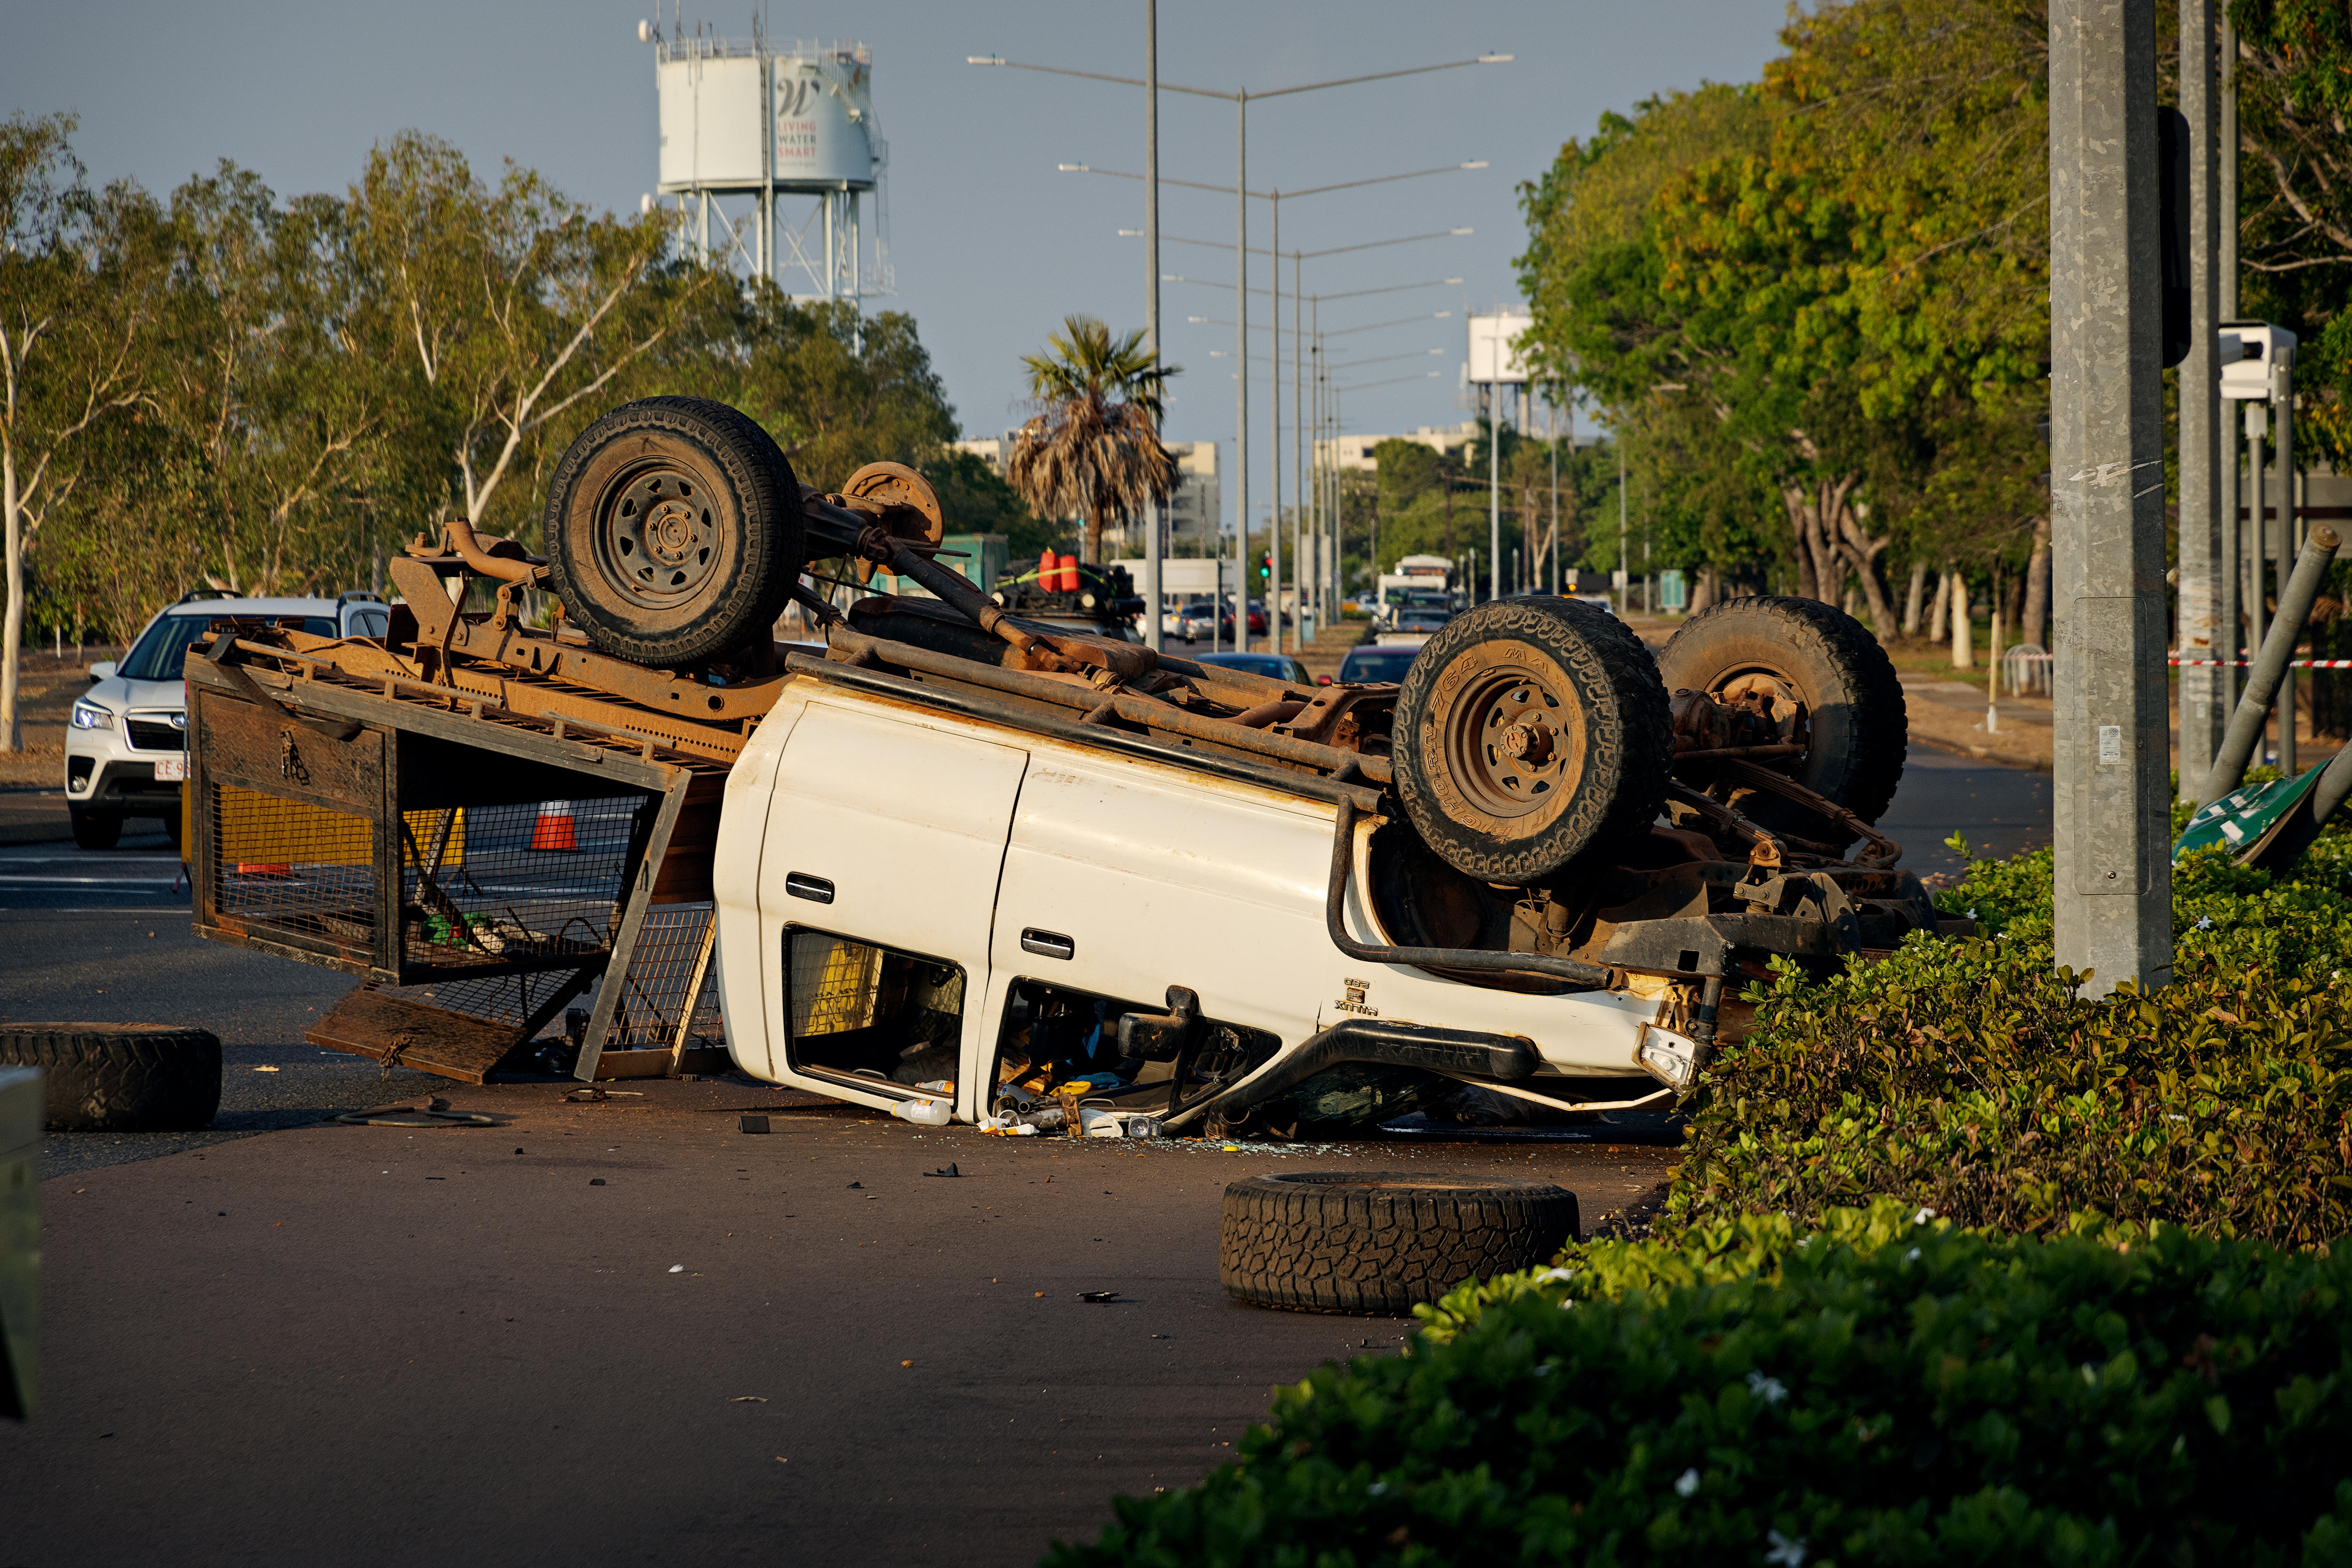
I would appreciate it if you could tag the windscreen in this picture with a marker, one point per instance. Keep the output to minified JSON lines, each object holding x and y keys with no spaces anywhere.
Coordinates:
{"x":1367,"y":664}
{"x":159,"y":654}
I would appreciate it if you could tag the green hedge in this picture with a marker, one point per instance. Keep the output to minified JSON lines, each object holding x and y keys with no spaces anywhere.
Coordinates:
{"x":1882,"y":1392}
{"x":1969,"y":1078}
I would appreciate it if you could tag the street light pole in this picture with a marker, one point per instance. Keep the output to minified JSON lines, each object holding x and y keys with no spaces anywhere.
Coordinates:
{"x":1241,"y":372}
{"x":2113,"y":872}
{"x":1273,"y":396}
{"x":1153,"y":611}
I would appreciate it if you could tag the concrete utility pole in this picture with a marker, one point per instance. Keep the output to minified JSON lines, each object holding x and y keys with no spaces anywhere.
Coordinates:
{"x":2234,"y":531}
{"x":2203,"y":714}
{"x":1495,"y":488}
{"x":2114,"y":874}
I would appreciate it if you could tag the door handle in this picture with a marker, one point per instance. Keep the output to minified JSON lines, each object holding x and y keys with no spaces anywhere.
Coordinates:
{"x":1047,"y":943}
{"x":801,"y":885}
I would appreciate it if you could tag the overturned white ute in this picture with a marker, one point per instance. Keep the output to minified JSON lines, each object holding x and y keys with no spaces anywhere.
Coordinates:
{"x":968,"y":863}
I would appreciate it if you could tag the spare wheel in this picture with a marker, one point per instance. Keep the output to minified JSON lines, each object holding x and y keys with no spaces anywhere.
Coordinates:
{"x":1529,"y":731}
{"x":119,"y":1077}
{"x":1822,"y":679}
{"x":1382,"y":1244}
{"x":674,"y":532}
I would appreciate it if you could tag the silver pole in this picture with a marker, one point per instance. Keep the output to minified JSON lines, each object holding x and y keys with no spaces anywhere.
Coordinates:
{"x":2283,"y":394}
{"x":2273,"y":665}
{"x":1153,"y":510}
{"x":1495,"y":487}
{"x":2110,"y":739}
{"x":1302,"y":469}
{"x":2258,"y":526}
{"x":1274,"y":398}
{"x":1241,"y":373}
{"x":2201,"y":715}
{"x":1624,"y":566}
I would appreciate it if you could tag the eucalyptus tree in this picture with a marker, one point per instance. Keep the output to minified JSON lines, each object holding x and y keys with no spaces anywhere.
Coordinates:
{"x":76,"y":287}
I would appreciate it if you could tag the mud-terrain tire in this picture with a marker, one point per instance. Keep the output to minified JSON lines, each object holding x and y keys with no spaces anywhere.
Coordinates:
{"x":1832,"y":663}
{"x":1595,"y":773}
{"x":1378,"y":1244}
{"x":674,"y":532}
{"x":119,"y":1077}
{"x":95,"y":829}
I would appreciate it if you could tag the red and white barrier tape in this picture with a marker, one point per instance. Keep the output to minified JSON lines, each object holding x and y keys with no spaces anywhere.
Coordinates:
{"x":2243,"y":663}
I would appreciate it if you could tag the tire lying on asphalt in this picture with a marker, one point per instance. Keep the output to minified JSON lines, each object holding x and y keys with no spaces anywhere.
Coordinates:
{"x":1826,"y":678}
{"x":1527,"y":731}
{"x":674,"y":532}
{"x":1347,"y":1241}
{"x":119,"y":1077}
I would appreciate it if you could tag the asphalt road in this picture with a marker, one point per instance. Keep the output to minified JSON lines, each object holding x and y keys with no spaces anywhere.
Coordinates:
{"x":356,"y":1345}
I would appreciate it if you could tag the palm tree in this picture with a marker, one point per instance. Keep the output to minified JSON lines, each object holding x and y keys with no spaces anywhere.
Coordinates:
{"x":1093,"y":450}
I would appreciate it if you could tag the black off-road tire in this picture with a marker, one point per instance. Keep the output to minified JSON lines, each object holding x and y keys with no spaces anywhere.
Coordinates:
{"x":1860,"y":730}
{"x":1378,"y":1244}
{"x":95,"y":829}
{"x":119,"y":1077}
{"x":674,"y":532}
{"x":1599,"y":779}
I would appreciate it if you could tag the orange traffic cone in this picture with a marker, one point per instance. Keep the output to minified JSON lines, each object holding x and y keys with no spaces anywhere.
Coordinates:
{"x":553,"y":830}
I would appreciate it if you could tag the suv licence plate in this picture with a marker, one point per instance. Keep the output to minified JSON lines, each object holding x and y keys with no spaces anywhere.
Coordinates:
{"x":171,"y":770}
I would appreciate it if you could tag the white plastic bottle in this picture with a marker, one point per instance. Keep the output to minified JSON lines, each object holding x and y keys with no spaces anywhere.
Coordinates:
{"x":923,"y":1112}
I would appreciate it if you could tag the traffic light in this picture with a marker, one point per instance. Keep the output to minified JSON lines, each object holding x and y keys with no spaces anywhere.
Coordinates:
{"x":1266,"y":566}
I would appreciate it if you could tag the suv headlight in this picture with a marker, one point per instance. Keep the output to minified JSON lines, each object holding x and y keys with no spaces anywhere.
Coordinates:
{"x":89,"y":715}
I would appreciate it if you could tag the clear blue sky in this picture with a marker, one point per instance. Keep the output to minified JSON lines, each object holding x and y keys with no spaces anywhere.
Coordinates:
{"x":992,"y":246}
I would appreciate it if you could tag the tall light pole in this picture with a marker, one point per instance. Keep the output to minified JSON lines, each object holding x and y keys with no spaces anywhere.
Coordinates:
{"x":1153,"y":629}
{"x":1239,"y":97}
{"x":2113,"y":872}
{"x":2203,"y":717}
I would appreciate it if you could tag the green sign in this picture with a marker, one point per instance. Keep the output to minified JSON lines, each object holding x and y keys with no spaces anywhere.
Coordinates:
{"x":2245,"y":821}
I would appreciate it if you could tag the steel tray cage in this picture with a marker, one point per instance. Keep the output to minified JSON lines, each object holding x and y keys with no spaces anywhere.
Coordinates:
{"x":503,"y":888}
{"x":500,"y":888}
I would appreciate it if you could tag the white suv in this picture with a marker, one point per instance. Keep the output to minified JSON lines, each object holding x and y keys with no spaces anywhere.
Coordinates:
{"x":126,"y":743}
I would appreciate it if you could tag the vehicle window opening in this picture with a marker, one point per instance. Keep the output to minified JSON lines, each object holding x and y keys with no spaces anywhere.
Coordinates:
{"x":1059,"y":1045}
{"x":891,"y":1021}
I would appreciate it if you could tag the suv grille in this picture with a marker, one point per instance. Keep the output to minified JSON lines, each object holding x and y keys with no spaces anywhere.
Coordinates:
{"x":154,"y":735}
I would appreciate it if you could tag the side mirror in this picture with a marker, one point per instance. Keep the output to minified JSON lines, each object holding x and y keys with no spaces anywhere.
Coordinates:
{"x":1161,"y":1037}
{"x":1322,"y":680}
{"x":103,"y":670}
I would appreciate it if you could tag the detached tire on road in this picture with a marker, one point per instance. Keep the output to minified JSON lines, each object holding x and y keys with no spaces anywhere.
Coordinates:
{"x":1814,"y":654}
{"x":119,"y":1077}
{"x":674,"y":532}
{"x":1378,"y":1244}
{"x":1529,"y":731}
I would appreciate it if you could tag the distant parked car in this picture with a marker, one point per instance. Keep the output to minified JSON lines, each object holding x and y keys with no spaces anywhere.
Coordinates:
{"x":1368,"y":665}
{"x":1199,"y":618}
{"x":127,"y":738}
{"x":1272,"y":666}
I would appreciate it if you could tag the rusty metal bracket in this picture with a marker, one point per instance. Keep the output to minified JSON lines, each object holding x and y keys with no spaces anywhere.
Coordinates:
{"x":1883,"y":851}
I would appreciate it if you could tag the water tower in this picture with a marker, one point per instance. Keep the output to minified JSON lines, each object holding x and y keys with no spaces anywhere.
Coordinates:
{"x":749,"y":124}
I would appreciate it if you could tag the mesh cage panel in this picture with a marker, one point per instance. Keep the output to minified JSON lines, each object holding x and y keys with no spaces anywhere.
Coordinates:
{"x":294,"y":869}
{"x":669,"y":946}
{"x":488,"y":887}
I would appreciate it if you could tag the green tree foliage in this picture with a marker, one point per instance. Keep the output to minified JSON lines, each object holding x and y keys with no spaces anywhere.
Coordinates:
{"x":265,"y":394}
{"x":976,"y":500}
{"x":2294,"y":76}
{"x":77,"y":279}
{"x":1840,"y":266}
